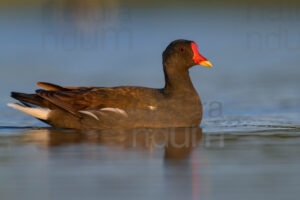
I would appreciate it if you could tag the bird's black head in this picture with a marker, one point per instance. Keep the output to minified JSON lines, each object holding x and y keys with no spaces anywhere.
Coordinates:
{"x":183,"y":54}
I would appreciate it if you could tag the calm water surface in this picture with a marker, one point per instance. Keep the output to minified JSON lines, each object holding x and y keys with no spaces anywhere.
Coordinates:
{"x":248,"y":143}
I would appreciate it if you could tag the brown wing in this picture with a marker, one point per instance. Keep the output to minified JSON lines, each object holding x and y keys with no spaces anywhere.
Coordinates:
{"x":53,"y":87}
{"x":97,"y":98}
{"x":69,"y":100}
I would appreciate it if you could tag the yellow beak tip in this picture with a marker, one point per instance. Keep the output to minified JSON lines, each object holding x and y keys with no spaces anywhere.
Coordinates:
{"x":206,"y":64}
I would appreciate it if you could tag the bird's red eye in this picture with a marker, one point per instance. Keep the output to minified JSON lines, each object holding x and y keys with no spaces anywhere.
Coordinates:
{"x":181,"y":49}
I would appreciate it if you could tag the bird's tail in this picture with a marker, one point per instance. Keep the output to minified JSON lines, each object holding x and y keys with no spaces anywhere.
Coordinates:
{"x":27,"y":100}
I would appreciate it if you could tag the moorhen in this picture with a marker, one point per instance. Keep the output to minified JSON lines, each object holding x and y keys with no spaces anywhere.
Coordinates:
{"x":175,"y":105}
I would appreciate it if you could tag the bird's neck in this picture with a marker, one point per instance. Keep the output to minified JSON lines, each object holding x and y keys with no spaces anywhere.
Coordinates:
{"x":177,"y":80}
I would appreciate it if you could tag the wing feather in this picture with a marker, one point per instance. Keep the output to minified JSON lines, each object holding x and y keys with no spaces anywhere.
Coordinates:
{"x":113,"y":100}
{"x":54,"y":87}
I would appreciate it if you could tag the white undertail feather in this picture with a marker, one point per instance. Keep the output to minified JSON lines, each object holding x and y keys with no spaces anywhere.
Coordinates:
{"x":40,"y":113}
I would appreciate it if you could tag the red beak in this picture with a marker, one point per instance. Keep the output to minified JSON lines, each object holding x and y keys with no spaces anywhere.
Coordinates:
{"x":198,"y":58}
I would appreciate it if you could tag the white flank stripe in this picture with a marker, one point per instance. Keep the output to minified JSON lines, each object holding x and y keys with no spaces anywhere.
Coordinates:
{"x":116,"y":110}
{"x":152,"y":107}
{"x":40,"y":113}
{"x":90,"y":114}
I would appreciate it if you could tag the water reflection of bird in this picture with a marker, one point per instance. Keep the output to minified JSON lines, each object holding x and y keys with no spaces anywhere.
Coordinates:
{"x":176,"y":142}
{"x":170,"y":153}
{"x":175,"y":105}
